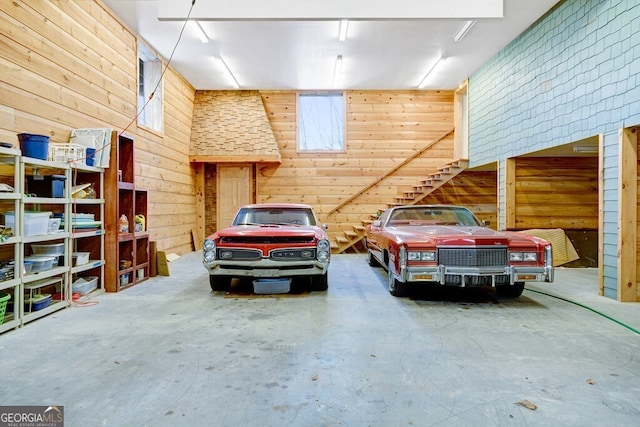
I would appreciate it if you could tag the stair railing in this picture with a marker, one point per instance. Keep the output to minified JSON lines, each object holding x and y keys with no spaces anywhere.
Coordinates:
{"x":390,"y":172}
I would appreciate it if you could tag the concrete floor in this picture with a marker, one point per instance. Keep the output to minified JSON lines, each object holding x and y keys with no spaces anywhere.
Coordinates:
{"x":169,"y":352}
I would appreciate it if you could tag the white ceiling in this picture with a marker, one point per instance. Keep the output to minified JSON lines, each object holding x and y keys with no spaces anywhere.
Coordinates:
{"x":293,"y":44}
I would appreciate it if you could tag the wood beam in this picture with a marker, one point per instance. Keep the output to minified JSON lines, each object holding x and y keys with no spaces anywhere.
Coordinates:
{"x":200,"y":203}
{"x":627,"y":216}
{"x":254,"y":158}
{"x":601,"y":214}
{"x":510,"y":194}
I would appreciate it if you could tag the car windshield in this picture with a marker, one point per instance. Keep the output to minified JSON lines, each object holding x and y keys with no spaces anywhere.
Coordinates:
{"x":437,"y":215}
{"x":281,"y":216}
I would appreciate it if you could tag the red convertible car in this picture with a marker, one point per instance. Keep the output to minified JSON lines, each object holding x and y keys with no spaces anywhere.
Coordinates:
{"x":448,"y":245}
{"x":267,"y":242}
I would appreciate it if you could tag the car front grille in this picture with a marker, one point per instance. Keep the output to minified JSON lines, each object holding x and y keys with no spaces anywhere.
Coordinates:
{"x":239,"y":254}
{"x":303,"y":254}
{"x":454,"y":279}
{"x":473,"y":257}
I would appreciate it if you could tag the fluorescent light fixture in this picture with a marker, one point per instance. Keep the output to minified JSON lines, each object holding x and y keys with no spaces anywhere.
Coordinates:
{"x":423,"y":82}
{"x":337,"y":69}
{"x":344,"y":27}
{"x":585,"y":149}
{"x":463,"y":31}
{"x":204,"y":38}
{"x":229,"y":73}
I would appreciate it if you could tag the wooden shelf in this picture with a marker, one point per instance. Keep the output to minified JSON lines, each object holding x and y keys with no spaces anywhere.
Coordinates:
{"x":129,"y":201}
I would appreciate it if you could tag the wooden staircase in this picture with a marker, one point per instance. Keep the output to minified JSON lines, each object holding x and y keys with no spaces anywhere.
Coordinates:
{"x":421,"y":190}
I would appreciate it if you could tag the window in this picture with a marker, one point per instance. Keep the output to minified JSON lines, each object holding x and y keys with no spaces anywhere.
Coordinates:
{"x":149,"y":85}
{"x":321,"y":122}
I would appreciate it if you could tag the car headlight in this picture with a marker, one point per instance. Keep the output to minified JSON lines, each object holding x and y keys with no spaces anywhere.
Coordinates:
{"x":209,"y":250}
{"x":523,"y":256}
{"x":422,"y":256}
{"x":209,"y":256}
{"x":209,"y":245}
{"x":323,"y":245}
{"x":324,"y":250}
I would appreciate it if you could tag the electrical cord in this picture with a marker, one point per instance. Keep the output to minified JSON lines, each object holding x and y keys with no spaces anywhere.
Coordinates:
{"x":587,"y":308}
{"x":85,"y":300}
{"x":166,"y":66}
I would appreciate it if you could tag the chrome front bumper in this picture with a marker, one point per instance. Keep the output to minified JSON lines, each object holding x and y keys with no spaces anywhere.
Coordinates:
{"x":438,"y":274}
{"x":266,"y":268}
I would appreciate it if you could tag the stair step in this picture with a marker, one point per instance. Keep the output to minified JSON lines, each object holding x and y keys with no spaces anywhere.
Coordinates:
{"x":351,"y":234}
{"x":359,"y":228}
{"x":342,"y":239}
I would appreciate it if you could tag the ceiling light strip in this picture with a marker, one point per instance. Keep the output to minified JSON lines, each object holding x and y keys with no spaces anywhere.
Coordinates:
{"x":202,"y":34}
{"x":423,"y":82}
{"x":344,"y":28}
{"x":337,"y":70}
{"x":230,"y":74}
{"x":463,"y":31}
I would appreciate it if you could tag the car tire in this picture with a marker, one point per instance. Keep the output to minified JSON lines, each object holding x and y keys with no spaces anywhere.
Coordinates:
{"x":396,"y":288}
{"x":512,"y":291}
{"x":220,"y":283}
{"x":371,"y":260}
{"x":320,"y":283}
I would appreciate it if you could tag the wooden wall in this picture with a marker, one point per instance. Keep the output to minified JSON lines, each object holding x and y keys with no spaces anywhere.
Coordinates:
{"x":557,"y":192}
{"x":383,"y":128}
{"x":71,"y":64}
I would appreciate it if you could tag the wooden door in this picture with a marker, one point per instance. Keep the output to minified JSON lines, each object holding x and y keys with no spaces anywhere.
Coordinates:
{"x":234,"y":187}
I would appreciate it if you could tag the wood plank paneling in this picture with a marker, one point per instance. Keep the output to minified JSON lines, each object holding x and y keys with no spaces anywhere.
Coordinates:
{"x":72,"y":64}
{"x":555,"y":192}
{"x":383,"y":128}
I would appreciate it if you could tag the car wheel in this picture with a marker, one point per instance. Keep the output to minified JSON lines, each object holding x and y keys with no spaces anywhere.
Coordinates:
{"x":396,"y":288}
{"x":220,"y":283}
{"x":512,"y":291}
{"x":373,"y":262}
{"x":320,"y":283}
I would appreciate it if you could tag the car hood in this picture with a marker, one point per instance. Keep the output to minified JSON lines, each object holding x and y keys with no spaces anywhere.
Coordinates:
{"x":268,"y":230}
{"x":443,"y":235}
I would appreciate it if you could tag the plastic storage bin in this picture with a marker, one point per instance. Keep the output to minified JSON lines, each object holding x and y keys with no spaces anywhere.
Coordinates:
{"x":271,"y":286}
{"x":54,"y":249}
{"x":63,"y":153}
{"x":37,"y":302}
{"x":28,"y":266}
{"x":4,"y":299}
{"x":35,"y":223}
{"x":80,"y":258}
{"x":41,"y":262}
{"x":84,"y":285}
{"x":34,"y":146}
{"x":54,"y":225}
{"x":91,"y":154}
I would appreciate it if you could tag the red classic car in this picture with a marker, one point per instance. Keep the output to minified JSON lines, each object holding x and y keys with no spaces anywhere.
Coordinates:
{"x":269,"y":241}
{"x":448,"y":245}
